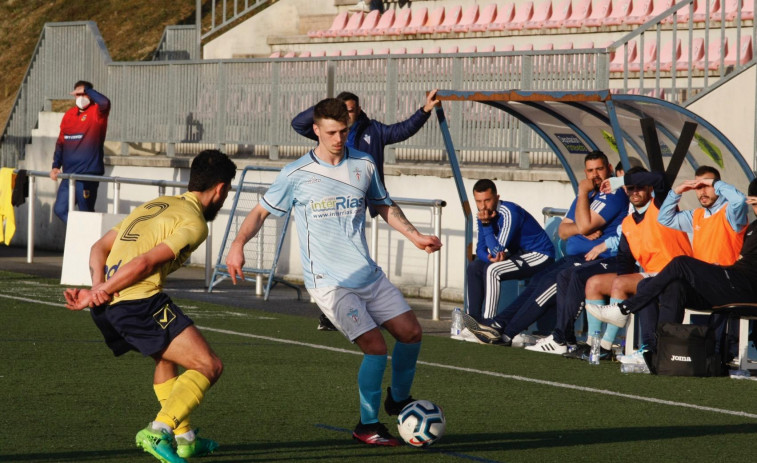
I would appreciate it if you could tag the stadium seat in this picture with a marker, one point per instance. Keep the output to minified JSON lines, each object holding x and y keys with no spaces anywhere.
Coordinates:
{"x":469,"y":49}
{"x":289,"y":54}
{"x":681,"y":16}
{"x":565,"y":45}
{"x":731,"y":10}
{"x":649,"y":56}
{"x":741,"y":56}
{"x":319,"y":53}
{"x":366,"y":51}
{"x":660,"y":6}
{"x":546,"y":47}
{"x":398,"y":51}
{"x":451,"y":17}
{"x":304,"y":54}
{"x":715,"y":50}
{"x":369,"y":23}
{"x":350,"y":52}
{"x":486,"y":49}
{"x":276,"y":54}
{"x":523,"y":14}
{"x":669,"y":55}
{"x":560,"y":13}
{"x":599,"y":12}
{"x":697,"y":51}
{"x":579,"y":13}
{"x":401,"y":21}
{"x":542,"y":13}
{"x":485,"y":17}
{"x":701,"y":16}
{"x":432,"y":50}
{"x":641,"y":12}
{"x":352,"y":25}
{"x":617,"y":59}
{"x":452,"y":49}
{"x":504,"y":16}
{"x":381,"y":51}
{"x":620,"y":11}
{"x":418,"y":20}
{"x":585,"y":45}
{"x":506,"y":47}
{"x":415,"y":51}
{"x":525,"y":47}
{"x":469,"y":18}
{"x":385,"y":22}
{"x":334,"y":53}
{"x":340,"y":21}
{"x":435,"y":18}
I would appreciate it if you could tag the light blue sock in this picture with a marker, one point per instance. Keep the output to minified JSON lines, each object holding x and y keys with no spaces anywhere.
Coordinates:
{"x":594,"y":326}
{"x":615,"y":301}
{"x":611,"y":331}
{"x":404,"y":358}
{"x":369,"y":379}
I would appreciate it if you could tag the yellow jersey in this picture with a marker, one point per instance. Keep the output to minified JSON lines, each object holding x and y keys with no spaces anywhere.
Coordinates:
{"x":176,"y":221}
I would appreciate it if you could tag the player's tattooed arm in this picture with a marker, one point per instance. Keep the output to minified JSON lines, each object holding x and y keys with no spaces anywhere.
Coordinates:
{"x":396,"y":212}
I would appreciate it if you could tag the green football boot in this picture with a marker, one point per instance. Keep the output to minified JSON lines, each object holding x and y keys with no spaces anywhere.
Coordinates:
{"x":158,"y":444}
{"x":199,"y":447}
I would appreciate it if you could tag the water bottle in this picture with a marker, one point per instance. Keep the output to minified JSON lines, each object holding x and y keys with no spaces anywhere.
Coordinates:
{"x":457,"y":322}
{"x":634,"y":368}
{"x":595,"y":349}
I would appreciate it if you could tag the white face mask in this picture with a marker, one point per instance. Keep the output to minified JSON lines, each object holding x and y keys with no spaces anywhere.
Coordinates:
{"x":82,"y":102}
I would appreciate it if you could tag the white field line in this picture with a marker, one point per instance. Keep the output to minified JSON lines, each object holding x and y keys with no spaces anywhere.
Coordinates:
{"x":26,"y":299}
{"x":502,"y":375}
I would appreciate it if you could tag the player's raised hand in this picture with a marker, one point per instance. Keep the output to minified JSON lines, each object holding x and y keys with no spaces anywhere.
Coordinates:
{"x":431,"y":101}
{"x":235,"y":262}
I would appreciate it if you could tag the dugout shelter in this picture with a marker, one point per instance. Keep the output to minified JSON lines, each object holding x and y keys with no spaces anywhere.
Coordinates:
{"x":573,"y":123}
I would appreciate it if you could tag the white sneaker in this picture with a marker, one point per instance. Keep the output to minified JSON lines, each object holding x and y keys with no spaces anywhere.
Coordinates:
{"x":609,"y":313}
{"x":523,"y":340}
{"x":549,"y":346}
{"x":466,"y":335}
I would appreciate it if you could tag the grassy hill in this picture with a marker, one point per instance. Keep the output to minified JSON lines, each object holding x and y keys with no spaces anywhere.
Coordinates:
{"x":131,"y":30}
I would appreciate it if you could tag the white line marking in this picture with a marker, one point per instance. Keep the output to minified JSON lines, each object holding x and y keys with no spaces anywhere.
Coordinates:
{"x":501,"y":375}
{"x":54,"y":304}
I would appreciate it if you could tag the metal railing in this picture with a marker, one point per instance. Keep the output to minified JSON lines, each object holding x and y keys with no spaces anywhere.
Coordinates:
{"x":249,"y":103}
{"x":435,"y":205}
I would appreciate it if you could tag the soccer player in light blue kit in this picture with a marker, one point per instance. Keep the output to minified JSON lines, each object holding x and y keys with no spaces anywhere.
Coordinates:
{"x":328,"y":188}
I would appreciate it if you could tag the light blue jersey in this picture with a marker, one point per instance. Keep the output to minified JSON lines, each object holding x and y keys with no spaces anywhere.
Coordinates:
{"x":329,"y":209}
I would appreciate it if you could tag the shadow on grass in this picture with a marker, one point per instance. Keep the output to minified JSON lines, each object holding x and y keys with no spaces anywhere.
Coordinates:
{"x":464,"y":446}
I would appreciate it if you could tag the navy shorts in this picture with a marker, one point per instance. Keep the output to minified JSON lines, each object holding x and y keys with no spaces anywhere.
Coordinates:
{"x":144,"y":325}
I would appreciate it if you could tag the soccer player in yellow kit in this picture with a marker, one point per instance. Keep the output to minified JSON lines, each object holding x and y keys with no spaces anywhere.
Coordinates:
{"x":129,"y":265}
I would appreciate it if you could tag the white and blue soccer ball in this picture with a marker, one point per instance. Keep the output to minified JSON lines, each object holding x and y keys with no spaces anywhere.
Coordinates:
{"x":421,"y":423}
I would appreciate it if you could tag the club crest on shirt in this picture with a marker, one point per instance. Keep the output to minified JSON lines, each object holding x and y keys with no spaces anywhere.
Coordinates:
{"x":83,"y":117}
{"x":353,"y":314}
{"x":367,"y":138}
{"x":164,"y":316}
{"x":357,"y":173}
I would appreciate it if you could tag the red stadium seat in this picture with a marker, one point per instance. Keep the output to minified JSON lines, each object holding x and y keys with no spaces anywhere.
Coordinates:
{"x":385,"y":22}
{"x":401,"y":21}
{"x":560,"y":14}
{"x":469,"y":18}
{"x":669,"y":55}
{"x":650,"y":56}
{"x":599,"y":12}
{"x":542,"y":13}
{"x":580,"y":12}
{"x":451,"y":17}
{"x":369,"y":23}
{"x":620,"y":11}
{"x":435,"y":18}
{"x":715,"y":50}
{"x":419,"y":19}
{"x":617,"y":60}
{"x":741,"y":56}
{"x":504,"y":16}
{"x":523,"y":14}
{"x":338,"y":24}
{"x":640,"y":13}
{"x":353,"y":24}
{"x":485,"y":17}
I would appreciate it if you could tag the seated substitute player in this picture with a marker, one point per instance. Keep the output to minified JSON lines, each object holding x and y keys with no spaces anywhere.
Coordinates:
{"x":717,"y":230}
{"x":328,"y":188}
{"x":129,"y":265}
{"x":644,"y":241}
{"x":704,"y":284}
{"x":511,"y":246}
{"x":593,"y":217}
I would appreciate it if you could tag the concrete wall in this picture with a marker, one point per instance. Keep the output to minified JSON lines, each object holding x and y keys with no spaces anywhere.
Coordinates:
{"x":727,"y":108}
{"x":410,"y":268}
